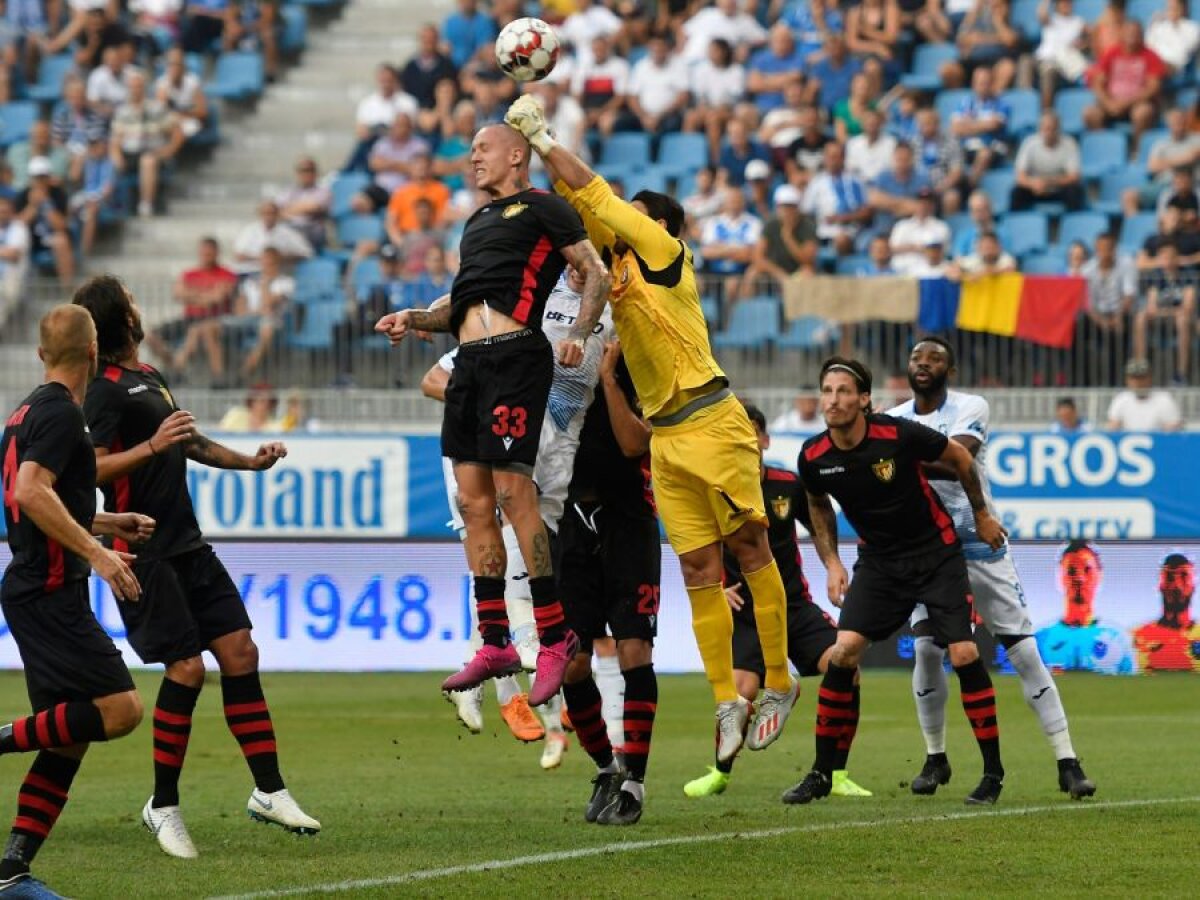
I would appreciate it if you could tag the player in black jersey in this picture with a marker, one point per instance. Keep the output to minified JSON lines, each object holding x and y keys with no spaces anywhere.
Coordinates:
{"x":811,"y":633}
{"x":609,"y":574}
{"x":78,"y":685}
{"x":190,"y":604}
{"x":513,"y":250}
{"x":908,"y":553}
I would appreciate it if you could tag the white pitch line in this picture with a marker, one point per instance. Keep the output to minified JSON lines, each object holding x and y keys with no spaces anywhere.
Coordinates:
{"x":635,"y":846}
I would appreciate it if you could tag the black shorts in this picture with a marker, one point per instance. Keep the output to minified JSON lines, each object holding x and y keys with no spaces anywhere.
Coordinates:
{"x":496,"y":400}
{"x":810,"y":632}
{"x":884,"y":591}
{"x":188,"y":601}
{"x":67,"y":655}
{"x":609,"y":570}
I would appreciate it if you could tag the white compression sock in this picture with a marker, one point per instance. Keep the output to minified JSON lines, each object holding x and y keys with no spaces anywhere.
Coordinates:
{"x":1041,"y":693}
{"x":929,"y":692}
{"x":550,"y":711}
{"x":611,"y":683}
{"x":506,"y":688}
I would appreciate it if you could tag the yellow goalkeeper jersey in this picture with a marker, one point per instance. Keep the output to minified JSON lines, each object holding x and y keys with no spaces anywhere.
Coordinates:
{"x":655,"y":304}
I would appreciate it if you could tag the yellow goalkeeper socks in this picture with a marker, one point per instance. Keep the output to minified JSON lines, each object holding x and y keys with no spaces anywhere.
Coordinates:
{"x":770,"y":613}
{"x":713,"y":624}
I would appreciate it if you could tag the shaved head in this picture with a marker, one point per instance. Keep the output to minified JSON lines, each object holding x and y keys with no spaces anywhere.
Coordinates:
{"x":500,"y":159}
{"x":509,"y":138}
{"x":68,"y":337}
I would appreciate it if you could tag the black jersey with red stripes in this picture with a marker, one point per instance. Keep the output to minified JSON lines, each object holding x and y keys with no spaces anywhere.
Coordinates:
{"x":48,"y":429}
{"x":511,"y":255}
{"x":786,"y":505}
{"x":125,"y":407}
{"x":882,"y":487}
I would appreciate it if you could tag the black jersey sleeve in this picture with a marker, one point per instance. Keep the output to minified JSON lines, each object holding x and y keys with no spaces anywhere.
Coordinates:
{"x":103,"y":407}
{"x":54,"y":431}
{"x":925,"y":443}
{"x":800,"y":505}
{"x":560,"y":221}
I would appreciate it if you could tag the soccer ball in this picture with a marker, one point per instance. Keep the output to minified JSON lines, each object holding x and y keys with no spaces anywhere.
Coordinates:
{"x":527,"y":49}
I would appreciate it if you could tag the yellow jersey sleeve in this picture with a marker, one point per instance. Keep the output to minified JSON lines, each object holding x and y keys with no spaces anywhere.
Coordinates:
{"x":648,"y":239}
{"x":599,"y":234}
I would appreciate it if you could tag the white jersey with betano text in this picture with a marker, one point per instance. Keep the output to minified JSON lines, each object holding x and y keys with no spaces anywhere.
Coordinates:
{"x":961,"y":415}
{"x":571,"y":393}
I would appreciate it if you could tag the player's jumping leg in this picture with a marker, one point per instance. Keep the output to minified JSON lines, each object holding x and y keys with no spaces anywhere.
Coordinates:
{"x":177,"y":696}
{"x":1041,"y":694}
{"x":640,"y":708}
{"x":930,"y":690}
{"x":584,"y":705}
{"x":718,"y":775}
{"x":249,"y":720}
{"x":514,"y":702}
{"x":979,"y":703}
{"x":606,"y":669}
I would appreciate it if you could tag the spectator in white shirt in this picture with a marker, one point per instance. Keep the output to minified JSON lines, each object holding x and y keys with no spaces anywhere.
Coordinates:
{"x":718,"y":84}
{"x":564,"y":116}
{"x":376,"y":112}
{"x":1139,"y":408}
{"x":722,"y":20}
{"x":658,"y":89}
{"x":107,"y":86}
{"x":803,"y":418}
{"x":589,"y":20}
{"x":704,"y":202}
{"x":729,"y":240}
{"x":1173,"y":35}
{"x":269,"y":231}
{"x":181,"y":92}
{"x":601,"y":85}
{"x":989,"y":258}
{"x":260,"y":306}
{"x":1060,"y":52}
{"x":14,"y":257}
{"x":838,"y":202}
{"x":912,"y":237}
{"x":869,"y":154}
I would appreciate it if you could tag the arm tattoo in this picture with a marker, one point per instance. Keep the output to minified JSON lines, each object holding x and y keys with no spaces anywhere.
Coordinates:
{"x":492,"y":562}
{"x":208,"y":452}
{"x":596,"y":285}
{"x":824,"y":527}
{"x":436,"y":319}
{"x":969,"y":479}
{"x":541,"y":564}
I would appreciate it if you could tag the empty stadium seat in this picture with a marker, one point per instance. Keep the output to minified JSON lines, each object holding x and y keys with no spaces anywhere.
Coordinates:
{"x":1025,"y":106}
{"x":1146,"y":144}
{"x":1044,"y":262}
{"x":1186,"y":98}
{"x":1022,"y":232}
{"x":352,"y":229}
{"x":316,"y":325}
{"x":1114,"y":183}
{"x":998,"y":185}
{"x":1103,"y":151}
{"x":753,"y":323}
{"x":1025,"y":18}
{"x":1081,"y":226}
{"x":682,"y":152}
{"x":16,"y":120}
{"x":949,"y":101}
{"x":711,"y":309}
{"x":293,"y":33}
{"x":319,"y":273}
{"x":1143,"y":10}
{"x":1135,"y":230}
{"x":51,"y":72}
{"x":366,"y":273}
{"x":808,"y":333}
{"x":1089,"y":10}
{"x":851,"y":265}
{"x":928,"y":60}
{"x":647,"y":180}
{"x":1070,"y":103}
{"x":628,"y":149}
{"x":237,"y":76}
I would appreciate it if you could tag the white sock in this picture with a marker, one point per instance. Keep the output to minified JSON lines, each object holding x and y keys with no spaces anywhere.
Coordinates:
{"x":636,"y":788}
{"x":1041,"y":693}
{"x":929,"y":691}
{"x":506,"y":688}
{"x":550,"y":711}
{"x":611,"y":682}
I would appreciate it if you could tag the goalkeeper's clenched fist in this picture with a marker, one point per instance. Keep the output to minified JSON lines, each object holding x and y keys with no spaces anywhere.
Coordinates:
{"x":527,"y":116}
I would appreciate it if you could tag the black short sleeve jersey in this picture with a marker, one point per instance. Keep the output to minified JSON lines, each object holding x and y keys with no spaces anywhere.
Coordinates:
{"x":881,"y":486}
{"x":125,"y":407}
{"x":786,"y":505}
{"x":510,"y":255}
{"x":47,"y":429}
{"x":602,"y":472}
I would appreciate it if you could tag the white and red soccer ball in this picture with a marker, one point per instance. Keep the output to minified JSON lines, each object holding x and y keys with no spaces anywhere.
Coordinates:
{"x":527,"y":49}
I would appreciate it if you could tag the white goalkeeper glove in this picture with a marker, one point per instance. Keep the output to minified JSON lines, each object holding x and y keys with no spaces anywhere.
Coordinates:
{"x":527,"y":116}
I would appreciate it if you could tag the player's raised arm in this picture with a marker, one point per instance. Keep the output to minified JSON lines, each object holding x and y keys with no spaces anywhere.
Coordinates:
{"x":962,"y":462}
{"x":208,"y":452}
{"x":596,"y":284}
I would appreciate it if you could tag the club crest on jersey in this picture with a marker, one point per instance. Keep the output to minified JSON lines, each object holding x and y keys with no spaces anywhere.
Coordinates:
{"x":885,"y":470}
{"x":513,"y":210}
{"x":782,"y":506}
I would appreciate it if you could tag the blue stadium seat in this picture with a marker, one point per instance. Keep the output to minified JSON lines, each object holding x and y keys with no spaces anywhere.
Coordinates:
{"x":948,"y":102}
{"x":1070,"y":103}
{"x":711,"y":309}
{"x":319,"y":273}
{"x":680,"y":152}
{"x":1186,"y":98}
{"x":628,"y":148}
{"x":1081,"y":226}
{"x":753,"y":323}
{"x":652,"y":179}
{"x":1135,"y":230}
{"x":51,"y":72}
{"x":928,"y":59}
{"x":959,"y":222}
{"x":1025,"y":18}
{"x":685,"y":185}
{"x":210,"y":134}
{"x":1194,"y":10}
{"x":1143,"y":10}
{"x":353,"y":229}
{"x":237,"y":76}
{"x":998,"y":185}
{"x":316,"y":325}
{"x":1147,"y":142}
{"x":366,"y":273}
{"x":1044,"y":262}
{"x":808,"y":333}
{"x":1103,"y":151}
{"x":293,"y":34}
{"x":343,"y":189}
{"x":1089,"y":10}
{"x":1022,"y":232}
{"x":16,"y":120}
{"x":1024,"y":108}
{"x":1114,"y":183}
{"x":850,"y":265}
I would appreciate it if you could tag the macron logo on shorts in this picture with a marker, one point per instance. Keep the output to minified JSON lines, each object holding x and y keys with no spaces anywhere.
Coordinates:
{"x":507,"y":442}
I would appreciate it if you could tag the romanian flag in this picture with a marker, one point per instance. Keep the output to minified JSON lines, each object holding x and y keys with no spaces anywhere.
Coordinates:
{"x":1035,"y":308}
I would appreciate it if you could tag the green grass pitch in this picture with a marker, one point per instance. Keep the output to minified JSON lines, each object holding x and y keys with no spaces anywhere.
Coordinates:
{"x":402,"y":790}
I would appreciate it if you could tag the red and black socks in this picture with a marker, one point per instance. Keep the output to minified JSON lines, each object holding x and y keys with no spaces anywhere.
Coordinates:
{"x":77,"y":722}
{"x":849,"y":730}
{"x":547,"y":610}
{"x":248,"y":718}
{"x":492,"y":610}
{"x":40,"y":802}
{"x":172,"y":728}
{"x":835,"y":711}
{"x":979,"y":703}
{"x":583,"y":704}
{"x":641,"y":705}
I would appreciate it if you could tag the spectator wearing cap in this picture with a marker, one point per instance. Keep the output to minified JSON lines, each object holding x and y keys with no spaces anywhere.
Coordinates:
{"x":42,"y":207}
{"x":739,"y":150}
{"x":181,"y":92}
{"x":788,"y":243}
{"x":74,"y":123}
{"x":1172,"y":295}
{"x":728,"y":241}
{"x":269,"y":232}
{"x":838,"y":202}
{"x":1127,"y":81}
{"x":206,"y":294}
{"x":758,"y":188}
{"x":601,"y":85}
{"x":467,"y":30}
{"x":1141,"y":408}
{"x":144,"y":139}
{"x":373,"y":301}
{"x":1173,"y":35}
{"x":38,"y":144}
{"x":306,"y":204}
{"x":772,"y":67}
{"x":869,"y":154}
{"x":375,"y":114}
{"x":893,"y":194}
{"x":912,"y":236}
{"x":981,"y":124}
{"x":14,"y":257}
{"x":718,"y":85}
{"x":988,"y":258}
{"x":831,"y":75}
{"x":1048,"y":168}
{"x":657,"y":93}
{"x":426,"y":68}
{"x":725,"y":20}
{"x":97,"y":188}
{"x":1067,"y":420}
{"x":940,"y":156}
{"x":391,"y":163}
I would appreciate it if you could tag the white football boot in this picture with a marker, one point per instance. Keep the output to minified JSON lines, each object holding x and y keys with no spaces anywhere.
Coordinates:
{"x":166,"y":824}
{"x":279,"y":808}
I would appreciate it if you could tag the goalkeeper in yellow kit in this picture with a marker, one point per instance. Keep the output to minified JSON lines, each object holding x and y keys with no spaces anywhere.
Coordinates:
{"x":703,"y":452}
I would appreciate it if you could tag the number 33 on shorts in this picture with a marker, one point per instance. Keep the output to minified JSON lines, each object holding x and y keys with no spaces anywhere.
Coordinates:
{"x":510,"y":422}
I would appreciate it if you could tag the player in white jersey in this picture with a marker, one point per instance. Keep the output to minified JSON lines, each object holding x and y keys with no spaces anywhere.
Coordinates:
{"x":999,"y":597}
{"x":571,"y":393}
